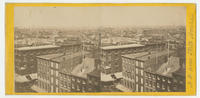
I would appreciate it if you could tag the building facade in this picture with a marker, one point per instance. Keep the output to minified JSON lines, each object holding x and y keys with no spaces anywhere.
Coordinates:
{"x":49,"y":67}
{"x":156,"y":82}
{"x":140,"y":72}
{"x":133,"y":72}
{"x":72,"y":83}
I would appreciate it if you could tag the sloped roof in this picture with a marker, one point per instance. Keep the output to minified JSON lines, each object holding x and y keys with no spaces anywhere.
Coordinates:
{"x":83,"y":69}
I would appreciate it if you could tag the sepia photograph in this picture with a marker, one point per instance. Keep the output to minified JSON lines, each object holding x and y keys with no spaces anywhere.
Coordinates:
{"x":61,"y":49}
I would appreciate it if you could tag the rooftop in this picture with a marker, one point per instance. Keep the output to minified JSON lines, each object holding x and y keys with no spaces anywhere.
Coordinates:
{"x":143,"y":56}
{"x":24,"y":78}
{"x":83,"y":69}
{"x":110,"y":77}
{"x":36,"y":47}
{"x":135,"y":55}
{"x":121,"y":46}
{"x":123,"y":88}
{"x":59,"y":57}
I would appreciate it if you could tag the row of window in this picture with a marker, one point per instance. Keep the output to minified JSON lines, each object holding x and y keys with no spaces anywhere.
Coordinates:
{"x":65,"y":84}
{"x":141,"y":80}
{"x":150,"y":83}
{"x":44,"y":77}
{"x":78,"y":87}
{"x":133,"y":63}
{"x":159,"y":86}
{"x":41,"y":52}
{"x":163,"y":87}
{"x":124,"y":51}
{"x":54,"y":65}
{"x":134,"y":86}
{"x":54,"y":72}
{"x":151,"y":76}
{"x":64,"y":77}
{"x":43,"y":69}
{"x":128,"y":75}
{"x":70,"y":79}
{"x":131,"y":75}
{"x":159,"y":78}
{"x":128,"y":67}
{"x":44,"y":63}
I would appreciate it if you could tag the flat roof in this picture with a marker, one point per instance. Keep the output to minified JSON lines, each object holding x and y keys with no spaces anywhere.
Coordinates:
{"x":153,"y":55}
{"x":135,"y":55}
{"x":121,"y":46}
{"x":123,"y":88}
{"x":36,"y":47}
{"x":143,"y":56}
{"x":59,"y":57}
{"x":23,"y":78}
{"x":108,"y":77}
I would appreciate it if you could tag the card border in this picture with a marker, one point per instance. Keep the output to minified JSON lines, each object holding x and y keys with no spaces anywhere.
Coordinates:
{"x":190,"y":47}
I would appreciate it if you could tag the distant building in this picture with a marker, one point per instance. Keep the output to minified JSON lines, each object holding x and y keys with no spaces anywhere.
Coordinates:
{"x":111,"y":61}
{"x":149,"y":72}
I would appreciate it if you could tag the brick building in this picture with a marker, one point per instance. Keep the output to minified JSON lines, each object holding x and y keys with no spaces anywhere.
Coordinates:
{"x":149,"y":72}
{"x":50,"y":65}
{"x":111,"y":61}
{"x":25,"y":57}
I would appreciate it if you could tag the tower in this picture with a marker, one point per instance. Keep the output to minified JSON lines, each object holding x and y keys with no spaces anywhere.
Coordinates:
{"x":98,"y":52}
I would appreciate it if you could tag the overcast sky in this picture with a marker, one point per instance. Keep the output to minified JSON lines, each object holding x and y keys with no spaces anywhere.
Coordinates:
{"x":98,"y":16}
